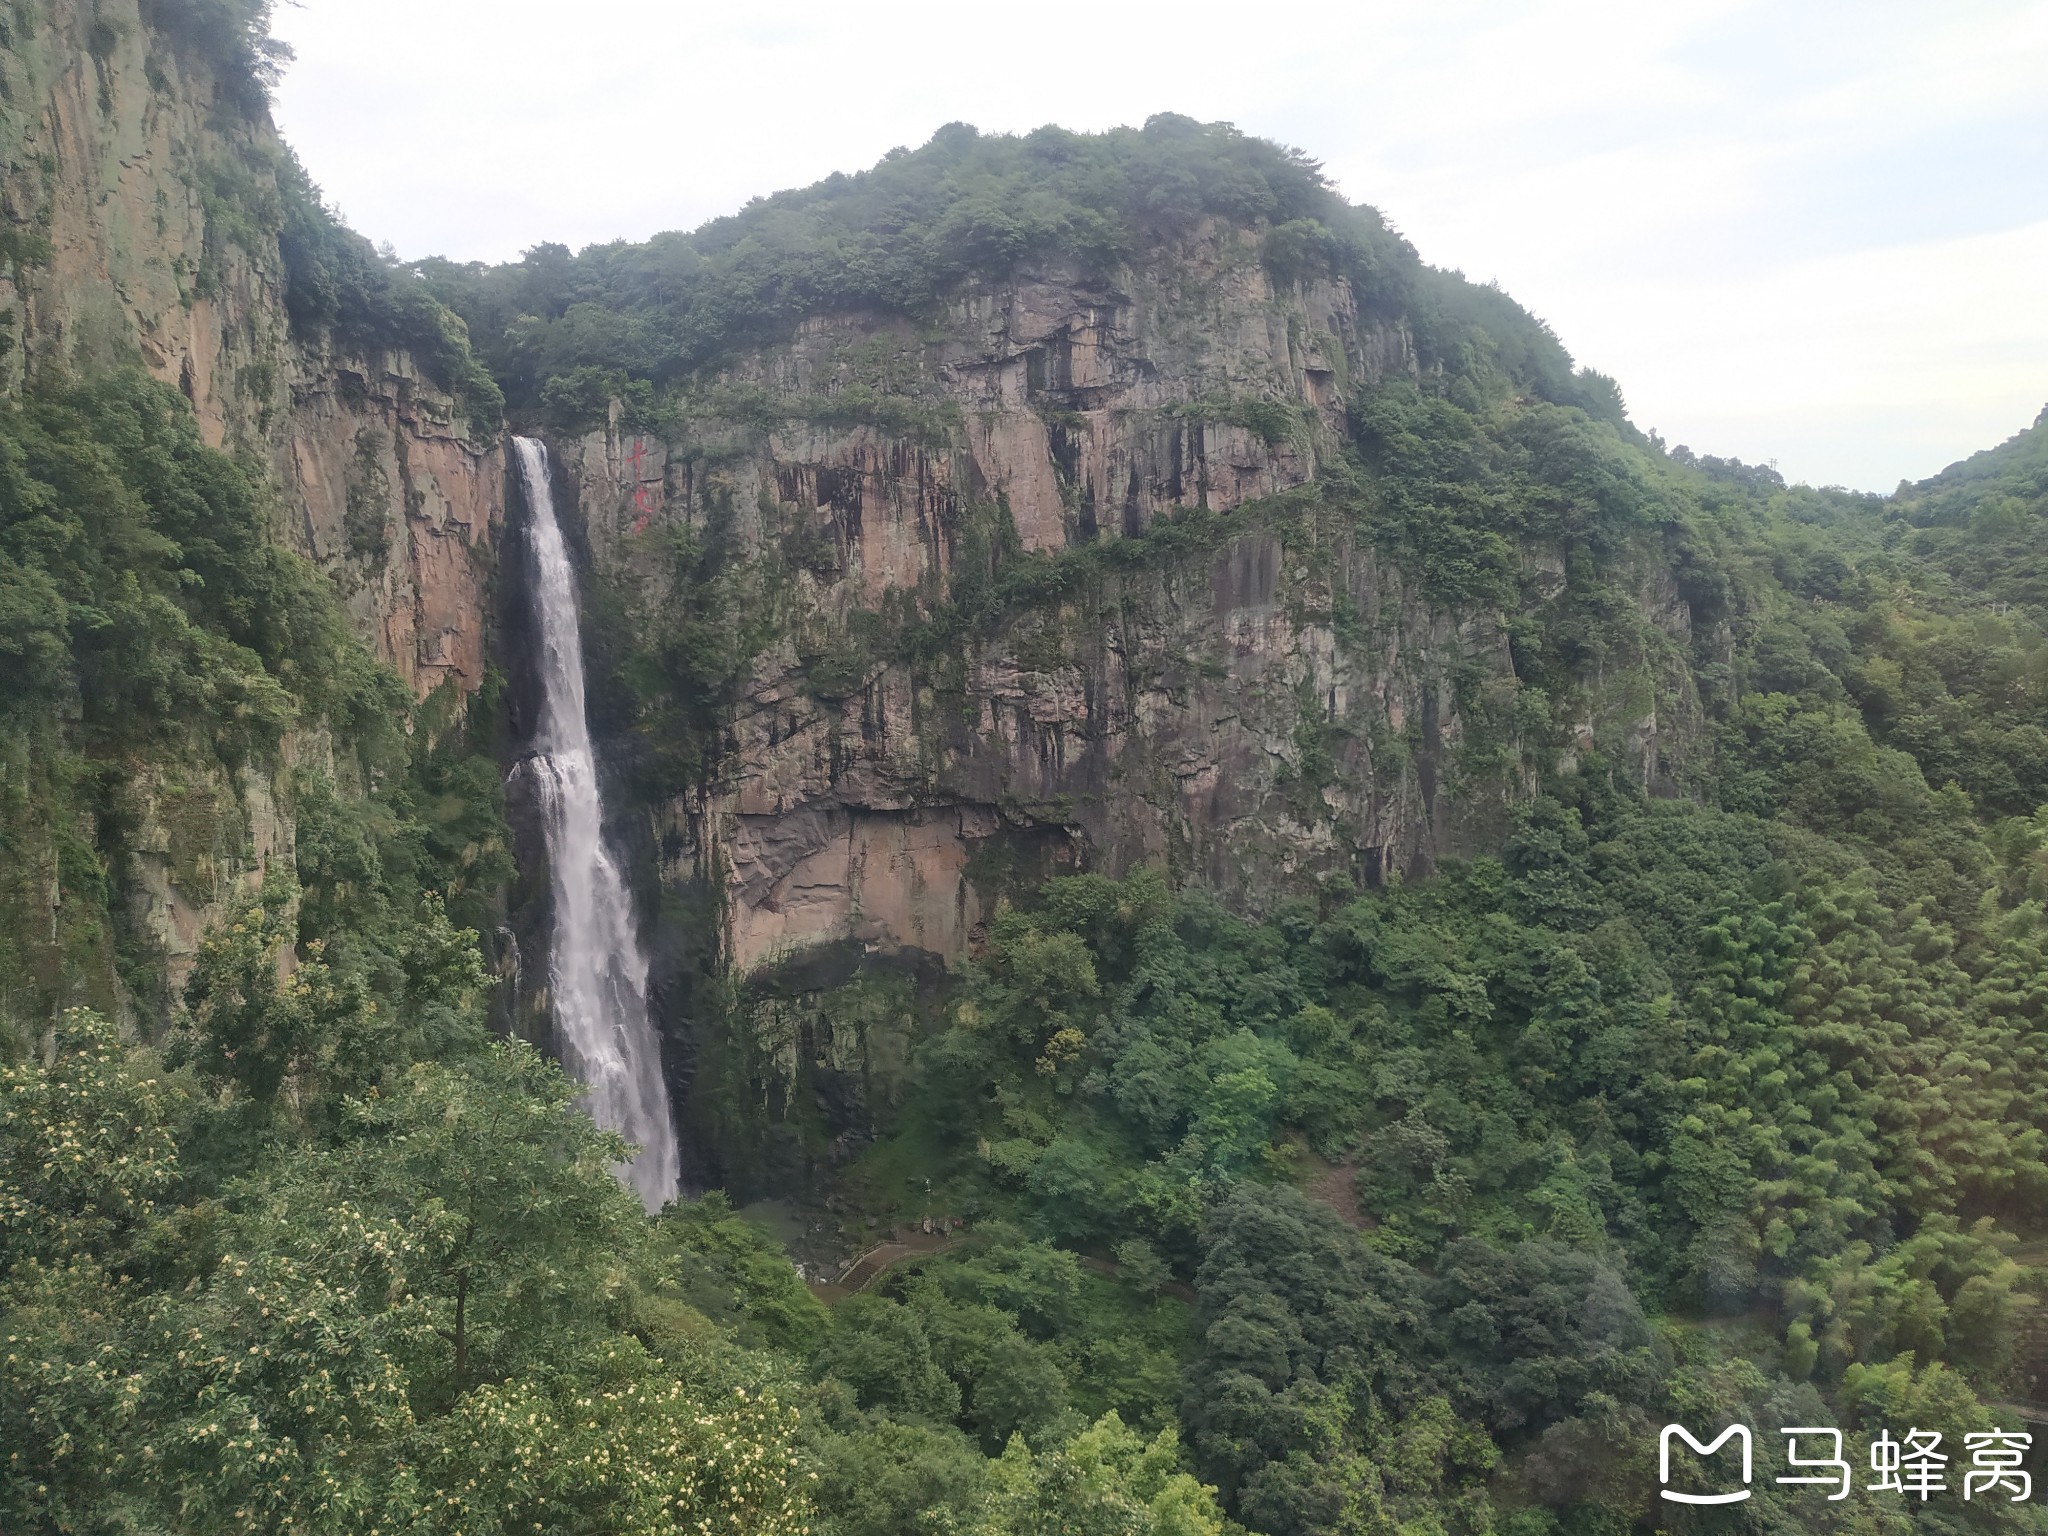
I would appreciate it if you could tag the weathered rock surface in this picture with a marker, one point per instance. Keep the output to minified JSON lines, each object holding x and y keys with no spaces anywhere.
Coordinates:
{"x":1259,"y":718}
{"x":141,"y":194}
{"x":113,"y":150}
{"x":138,"y":206}
{"x":1272,"y":708}
{"x":403,"y":506}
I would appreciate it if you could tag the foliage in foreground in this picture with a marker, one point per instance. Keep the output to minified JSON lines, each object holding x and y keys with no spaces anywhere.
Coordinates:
{"x":309,"y":1251}
{"x":426,"y":1307}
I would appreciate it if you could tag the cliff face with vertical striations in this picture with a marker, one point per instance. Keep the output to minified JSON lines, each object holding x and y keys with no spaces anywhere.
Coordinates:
{"x":140,"y":195}
{"x":117,"y":148}
{"x":140,"y":221}
{"x":1066,"y":564}
{"x":1579,"y":950}
{"x":1278,"y":705}
{"x":403,"y":503}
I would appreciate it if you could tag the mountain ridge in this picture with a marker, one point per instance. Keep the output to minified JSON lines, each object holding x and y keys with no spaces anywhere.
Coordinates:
{"x":1408,"y":932}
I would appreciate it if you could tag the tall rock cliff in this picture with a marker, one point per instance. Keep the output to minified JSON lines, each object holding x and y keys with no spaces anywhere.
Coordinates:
{"x":145,"y":213}
{"x":139,"y":182}
{"x":1270,"y":703}
{"x":1067,"y":556}
{"x":1193,"y":559}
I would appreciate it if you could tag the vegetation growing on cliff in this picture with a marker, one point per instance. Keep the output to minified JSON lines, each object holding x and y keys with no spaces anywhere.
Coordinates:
{"x":145,"y":618}
{"x":903,"y":235}
{"x":1398,"y":1210}
{"x":312,"y":1251}
{"x":336,"y":282}
{"x":1721,"y":1109}
{"x":233,"y":39}
{"x":1724,"y":1108}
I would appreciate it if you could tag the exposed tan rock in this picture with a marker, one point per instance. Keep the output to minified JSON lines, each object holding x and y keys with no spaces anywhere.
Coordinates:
{"x":890,"y":879}
{"x":402,"y":508}
{"x":141,"y":194}
{"x":116,"y":170}
{"x":113,"y":172}
{"x":1212,"y":716}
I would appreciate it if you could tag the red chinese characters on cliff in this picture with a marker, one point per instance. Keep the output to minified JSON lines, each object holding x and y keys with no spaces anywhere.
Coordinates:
{"x":645,"y":491}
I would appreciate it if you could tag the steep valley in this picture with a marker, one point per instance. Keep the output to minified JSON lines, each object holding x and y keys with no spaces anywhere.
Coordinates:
{"x":1359,"y":931}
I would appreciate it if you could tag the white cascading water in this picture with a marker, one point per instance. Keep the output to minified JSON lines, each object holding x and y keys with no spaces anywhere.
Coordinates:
{"x":597,"y":971}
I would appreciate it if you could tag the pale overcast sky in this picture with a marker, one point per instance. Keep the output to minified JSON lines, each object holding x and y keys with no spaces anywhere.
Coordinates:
{"x":1815,"y":233}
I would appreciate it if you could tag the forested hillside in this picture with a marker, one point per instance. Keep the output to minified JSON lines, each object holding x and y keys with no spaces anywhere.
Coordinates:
{"x":1623,"y":1001}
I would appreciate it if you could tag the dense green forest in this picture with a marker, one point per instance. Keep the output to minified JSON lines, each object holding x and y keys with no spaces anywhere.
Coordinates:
{"x":1414,"y":1209}
{"x":564,"y":332}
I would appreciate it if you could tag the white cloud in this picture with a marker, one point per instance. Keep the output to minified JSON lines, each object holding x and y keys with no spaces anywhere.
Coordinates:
{"x":1697,"y":195}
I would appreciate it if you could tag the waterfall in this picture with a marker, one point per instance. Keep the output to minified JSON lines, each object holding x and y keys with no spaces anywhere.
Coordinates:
{"x":597,"y":971}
